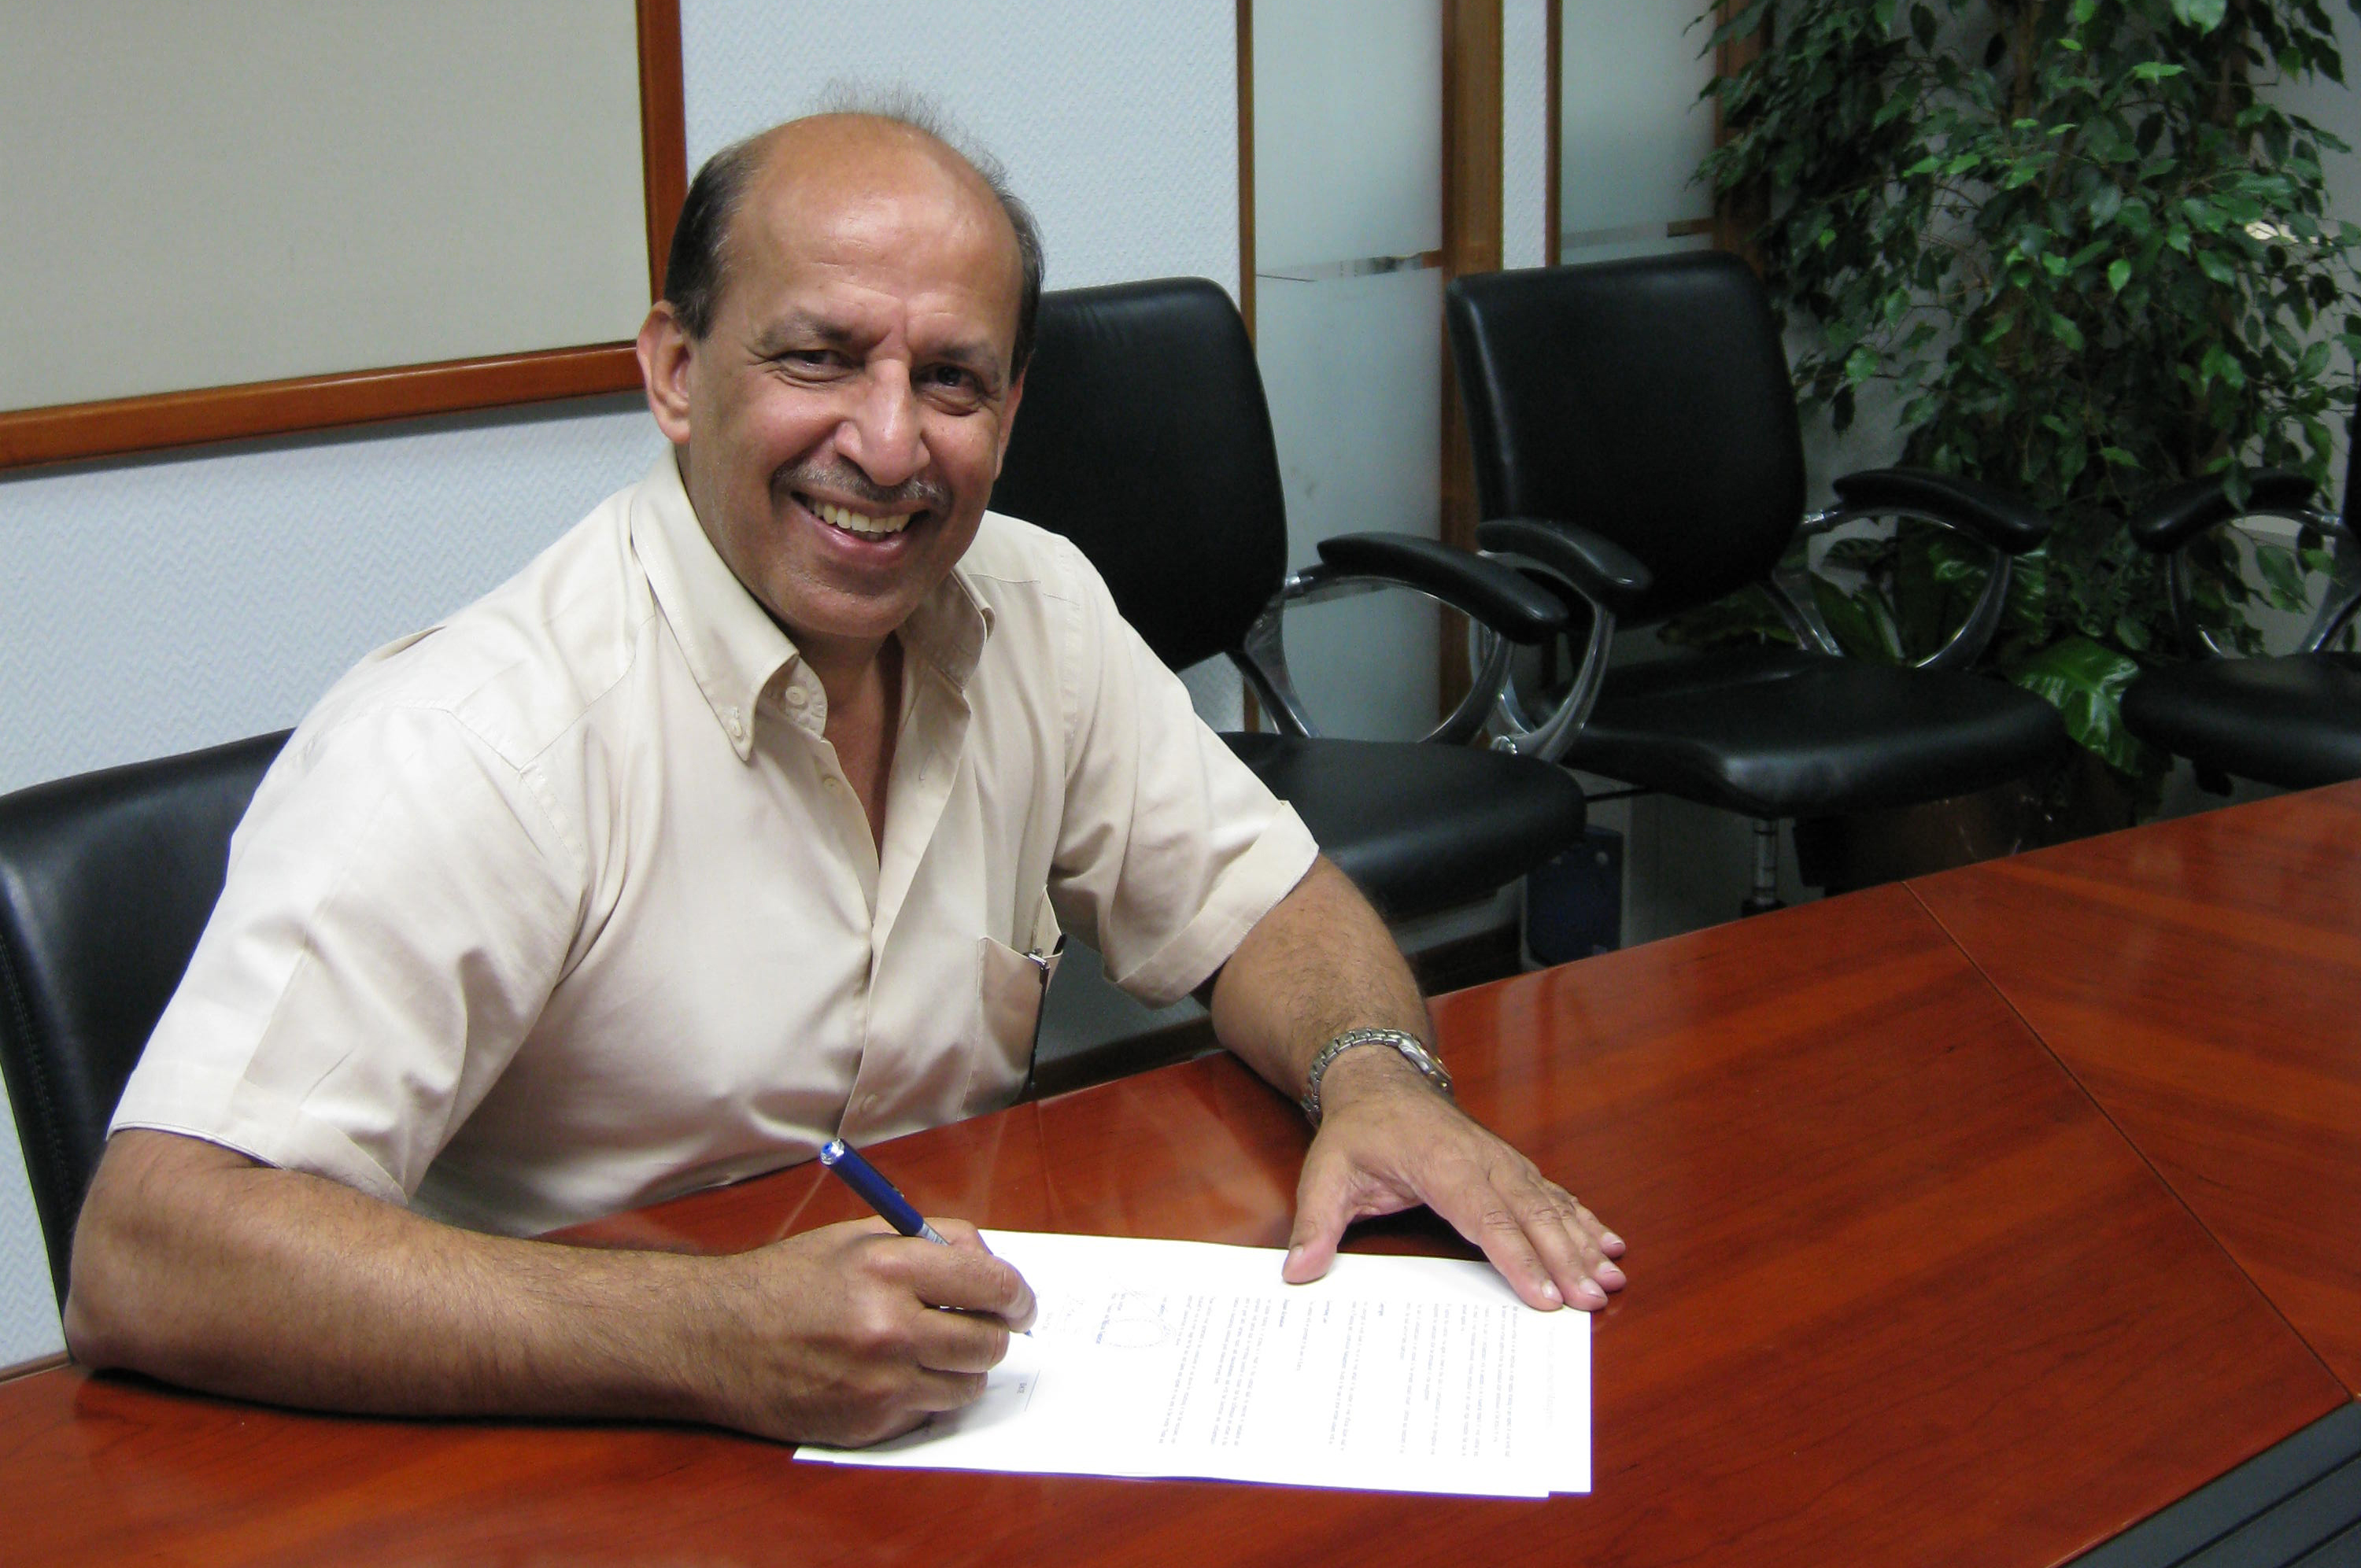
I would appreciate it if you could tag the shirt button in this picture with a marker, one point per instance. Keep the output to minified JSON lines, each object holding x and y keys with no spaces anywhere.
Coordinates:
{"x":795,"y":697}
{"x":732,"y":723}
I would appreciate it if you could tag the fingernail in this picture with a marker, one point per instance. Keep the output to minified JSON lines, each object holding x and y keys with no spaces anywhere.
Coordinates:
{"x":1588,"y":1294}
{"x":1609,"y":1274}
{"x":1550,"y":1293}
{"x":1610,"y":1238}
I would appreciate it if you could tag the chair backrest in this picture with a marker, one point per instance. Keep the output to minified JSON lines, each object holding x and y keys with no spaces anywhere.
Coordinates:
{"x":106,"y":883}
{"x":1647,"y":401}
{"x":1143,"y":437}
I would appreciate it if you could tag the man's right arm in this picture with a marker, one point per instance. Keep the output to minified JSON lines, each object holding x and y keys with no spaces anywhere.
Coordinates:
{"x":196,"y":1265}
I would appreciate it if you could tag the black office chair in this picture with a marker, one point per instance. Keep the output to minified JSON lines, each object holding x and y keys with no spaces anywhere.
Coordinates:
{"x":106,"y":883}
{"x":2293,"y":720}
{"x":1644,"y":406}
{"x":1143,"y":437}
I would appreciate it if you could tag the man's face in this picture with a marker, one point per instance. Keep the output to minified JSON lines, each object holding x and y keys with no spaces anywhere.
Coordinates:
{"x":846,"y":415}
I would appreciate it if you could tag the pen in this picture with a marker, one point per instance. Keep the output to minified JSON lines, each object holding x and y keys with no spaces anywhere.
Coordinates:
{"x":875,"y":1190}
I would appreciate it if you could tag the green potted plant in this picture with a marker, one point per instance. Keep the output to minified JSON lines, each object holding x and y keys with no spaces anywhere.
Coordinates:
{"x":2078,"y":251}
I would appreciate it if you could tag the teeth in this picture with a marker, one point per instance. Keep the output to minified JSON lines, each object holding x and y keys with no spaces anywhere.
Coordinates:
{"x":859,"y":522}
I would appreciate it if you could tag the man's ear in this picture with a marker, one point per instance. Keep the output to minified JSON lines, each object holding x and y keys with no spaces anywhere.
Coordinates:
{"x":665,"y":353}
{"x":1009,"y":420}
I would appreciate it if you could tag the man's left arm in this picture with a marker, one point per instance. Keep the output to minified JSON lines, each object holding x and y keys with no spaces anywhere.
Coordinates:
{"x":1320,"y":963}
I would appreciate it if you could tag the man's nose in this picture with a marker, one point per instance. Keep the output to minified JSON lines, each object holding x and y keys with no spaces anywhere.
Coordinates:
{"x":881,"y":432}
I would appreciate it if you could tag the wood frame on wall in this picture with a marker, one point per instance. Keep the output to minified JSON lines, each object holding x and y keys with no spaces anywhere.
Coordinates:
{"x":1246,"y":172}
{"x":118,"y":425}
{"x":1472,"y":45}
{"x":1553,"y":124}
{"x":1737,"y":214}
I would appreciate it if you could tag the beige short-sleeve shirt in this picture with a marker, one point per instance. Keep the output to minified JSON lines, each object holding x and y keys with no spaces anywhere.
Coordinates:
{"x":565,"y":905}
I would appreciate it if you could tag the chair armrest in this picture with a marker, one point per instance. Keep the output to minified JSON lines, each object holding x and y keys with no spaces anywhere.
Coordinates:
{"x":1502,"y":598}
{"x":2002,"y":518}
{"x":2183,"y":513}
{"x":1503,"y":604}
{"x":1611,"y":580}
{"x":1601,"y":570}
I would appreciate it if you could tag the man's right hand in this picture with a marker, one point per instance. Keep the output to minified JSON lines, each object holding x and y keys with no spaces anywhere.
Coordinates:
{"x":195,"y":1265}
{"x":836,"y":1335}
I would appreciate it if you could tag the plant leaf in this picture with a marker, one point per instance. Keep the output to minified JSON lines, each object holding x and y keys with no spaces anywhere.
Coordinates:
{"x":2084,"y":679}
{"x":1855,"y":621}
{"x":2281,"y":575}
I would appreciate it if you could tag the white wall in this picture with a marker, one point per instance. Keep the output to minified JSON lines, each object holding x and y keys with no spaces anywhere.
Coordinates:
{"x":1118,"y":122}
{"x":164,"y":603}
{"x":1524,"y":132}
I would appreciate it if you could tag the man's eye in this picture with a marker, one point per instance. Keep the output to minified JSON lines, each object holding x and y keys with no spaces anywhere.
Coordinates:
{"x":953,"y":377}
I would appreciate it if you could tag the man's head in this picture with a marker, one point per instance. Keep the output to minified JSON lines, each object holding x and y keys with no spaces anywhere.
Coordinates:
{"x":838,"y":355}
{"x":693,"y":267}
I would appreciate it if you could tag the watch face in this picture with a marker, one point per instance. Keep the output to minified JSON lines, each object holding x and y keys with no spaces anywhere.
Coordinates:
{"x":1427,"y":1063}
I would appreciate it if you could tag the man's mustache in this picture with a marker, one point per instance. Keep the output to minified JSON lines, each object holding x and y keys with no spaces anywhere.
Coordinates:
{"x":844,"y":479}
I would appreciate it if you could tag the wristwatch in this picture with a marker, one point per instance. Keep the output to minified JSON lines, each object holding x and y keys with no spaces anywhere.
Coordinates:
{"x":1408,"y":1044}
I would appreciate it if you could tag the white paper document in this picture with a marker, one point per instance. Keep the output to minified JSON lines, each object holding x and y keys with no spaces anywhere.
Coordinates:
{"x":1184,"y":1358}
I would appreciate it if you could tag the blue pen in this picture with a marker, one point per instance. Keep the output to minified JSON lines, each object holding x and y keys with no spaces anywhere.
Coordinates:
{"x":875,"y":1190}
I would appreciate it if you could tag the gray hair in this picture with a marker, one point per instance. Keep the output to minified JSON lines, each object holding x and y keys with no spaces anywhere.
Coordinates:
{"x":696,"y":269}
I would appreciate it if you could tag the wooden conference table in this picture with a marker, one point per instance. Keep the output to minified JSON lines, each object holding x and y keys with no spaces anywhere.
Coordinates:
{"x":1973,"y":1220}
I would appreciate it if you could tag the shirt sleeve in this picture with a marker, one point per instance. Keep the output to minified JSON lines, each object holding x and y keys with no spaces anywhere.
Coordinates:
{"x":397,"y":910}
{"x":1171,"y":848}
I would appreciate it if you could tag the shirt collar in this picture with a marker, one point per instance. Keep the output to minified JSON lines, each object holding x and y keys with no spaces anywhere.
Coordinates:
{"x":732,"y":646}
{"x":949,"y":627}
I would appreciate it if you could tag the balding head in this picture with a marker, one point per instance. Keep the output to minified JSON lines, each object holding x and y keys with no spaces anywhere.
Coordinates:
{"x":837,"y":156}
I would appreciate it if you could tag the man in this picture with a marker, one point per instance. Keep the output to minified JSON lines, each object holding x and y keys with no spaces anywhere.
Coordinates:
{"x":723,"y":828}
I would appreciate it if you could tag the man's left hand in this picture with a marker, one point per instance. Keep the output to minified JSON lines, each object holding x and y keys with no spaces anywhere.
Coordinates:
{"x":1389,"y":1142}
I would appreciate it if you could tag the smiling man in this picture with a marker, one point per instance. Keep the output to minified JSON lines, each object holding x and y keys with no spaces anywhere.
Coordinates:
{"x":746,"y":817}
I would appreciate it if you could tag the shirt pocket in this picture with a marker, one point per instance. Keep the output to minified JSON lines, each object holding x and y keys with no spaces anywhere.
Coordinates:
{"x":1010,"y":986}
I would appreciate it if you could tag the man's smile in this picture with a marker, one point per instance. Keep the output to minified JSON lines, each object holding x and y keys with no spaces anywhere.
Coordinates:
{"x":869,"y":525}
{"x":849,"y":503}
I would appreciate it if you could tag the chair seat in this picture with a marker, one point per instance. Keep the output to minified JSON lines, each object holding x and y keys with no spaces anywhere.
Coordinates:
{"x":1777,"y":733}
{"x":1420,"y":829}
{"x":2292,"y":722}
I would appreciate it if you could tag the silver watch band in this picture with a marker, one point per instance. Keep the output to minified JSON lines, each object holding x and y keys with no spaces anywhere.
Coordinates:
{"x":1407,"y":1043}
